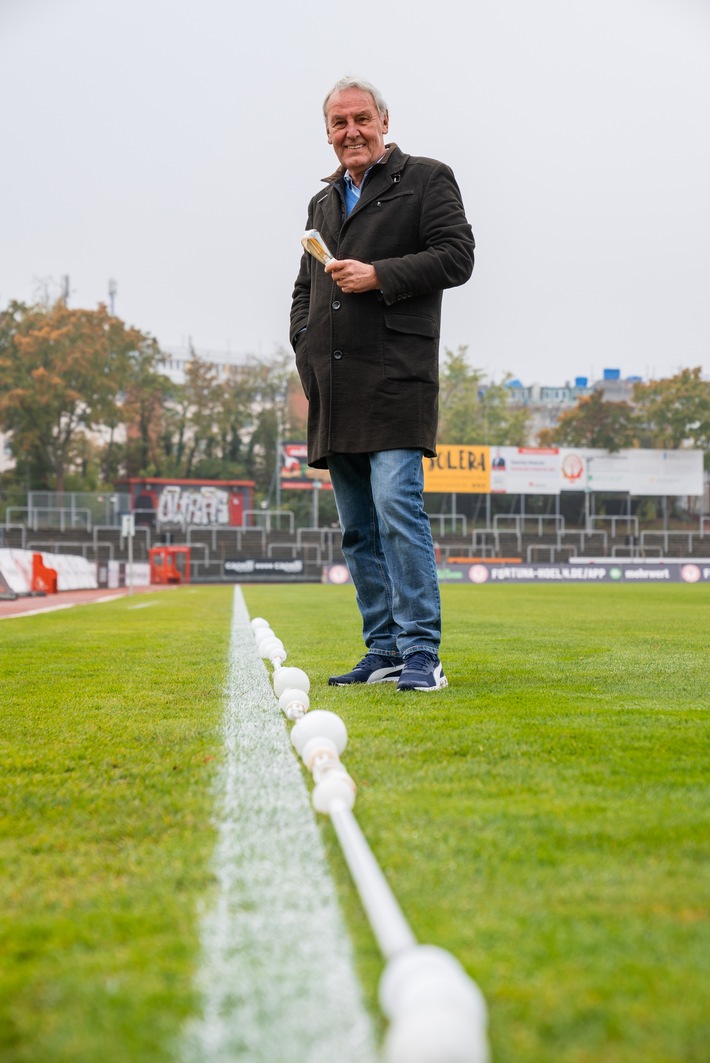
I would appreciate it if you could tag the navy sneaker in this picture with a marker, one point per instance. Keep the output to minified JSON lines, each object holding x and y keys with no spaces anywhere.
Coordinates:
{"x":422,"y":671}
{"x":373,"y":668}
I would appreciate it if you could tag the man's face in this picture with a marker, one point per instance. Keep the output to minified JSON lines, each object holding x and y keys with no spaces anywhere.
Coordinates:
{"x":356,"y":130}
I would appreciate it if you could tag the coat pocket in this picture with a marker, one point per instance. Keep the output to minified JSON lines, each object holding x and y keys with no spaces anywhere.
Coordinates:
{"x":411,"y":348}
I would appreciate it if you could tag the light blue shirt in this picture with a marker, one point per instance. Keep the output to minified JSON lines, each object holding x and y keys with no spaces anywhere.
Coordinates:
{"x":352,"y":192}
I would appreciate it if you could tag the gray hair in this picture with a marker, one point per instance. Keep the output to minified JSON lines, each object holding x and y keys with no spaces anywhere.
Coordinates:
{"x":356,"y":83}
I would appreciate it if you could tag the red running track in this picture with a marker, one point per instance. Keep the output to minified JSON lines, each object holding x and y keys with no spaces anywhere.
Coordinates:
{"x":66,"y":599}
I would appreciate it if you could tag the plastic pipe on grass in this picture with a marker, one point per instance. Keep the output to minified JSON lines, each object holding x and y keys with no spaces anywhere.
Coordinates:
{"x":437,"y":1014}
{"x":389,"y":926}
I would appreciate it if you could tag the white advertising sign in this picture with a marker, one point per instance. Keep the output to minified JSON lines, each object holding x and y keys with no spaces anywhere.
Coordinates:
{"x":646,"y":472}
{"x":525,"y":470}
{"x":548,"y":471}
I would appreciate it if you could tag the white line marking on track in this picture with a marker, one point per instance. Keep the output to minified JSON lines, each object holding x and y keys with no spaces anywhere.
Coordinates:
{"x":60,"y":606}
{"x":37,"y":612}
{"x":276,"y":976}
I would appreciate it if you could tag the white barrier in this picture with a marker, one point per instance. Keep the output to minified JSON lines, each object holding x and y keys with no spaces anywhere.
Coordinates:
{"x":436,"y":1012}
{"x":74,"y":573}
{"x":16,"y":567}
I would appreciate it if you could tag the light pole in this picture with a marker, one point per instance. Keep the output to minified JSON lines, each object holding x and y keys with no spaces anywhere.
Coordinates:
{"x":316,"y":490}
{"x":587,"y":491}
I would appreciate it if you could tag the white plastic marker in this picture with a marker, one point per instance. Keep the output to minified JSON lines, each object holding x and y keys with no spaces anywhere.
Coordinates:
{"x":437,"y":1014}
{"x":276,"y":978}
{"x":295,"y":703}
{"x":293,"y":678}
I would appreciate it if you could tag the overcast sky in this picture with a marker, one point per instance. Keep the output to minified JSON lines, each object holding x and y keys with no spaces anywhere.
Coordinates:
{"x":173,"y":145}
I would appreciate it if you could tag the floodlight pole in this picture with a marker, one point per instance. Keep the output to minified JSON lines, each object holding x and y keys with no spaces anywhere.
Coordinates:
{"x":588,"y":519}
{"x":128,"y":530}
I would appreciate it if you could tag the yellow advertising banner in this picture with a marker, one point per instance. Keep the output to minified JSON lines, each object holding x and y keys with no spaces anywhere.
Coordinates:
{"x":458,"y":469}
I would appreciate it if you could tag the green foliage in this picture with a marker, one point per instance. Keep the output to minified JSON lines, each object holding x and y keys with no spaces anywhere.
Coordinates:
{"x":60,"y":373}
{"x":666,"y":414}
{"x":675,"y":412}
{"x":147,"y":395}
{"x":473,"y":410}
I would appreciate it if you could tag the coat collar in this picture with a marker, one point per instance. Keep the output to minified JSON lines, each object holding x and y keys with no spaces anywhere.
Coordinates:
{"x":392,"y":154}
{"x":383,"y":174}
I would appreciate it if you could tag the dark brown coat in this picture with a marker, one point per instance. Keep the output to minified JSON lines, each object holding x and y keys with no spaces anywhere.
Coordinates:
{"x":369,"y":362}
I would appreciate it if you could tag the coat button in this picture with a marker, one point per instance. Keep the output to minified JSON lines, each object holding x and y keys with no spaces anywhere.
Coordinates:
{"x":337,"y":355}
{"x":336,"y":304}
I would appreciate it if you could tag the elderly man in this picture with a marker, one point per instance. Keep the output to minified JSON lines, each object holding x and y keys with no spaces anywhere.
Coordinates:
{"x":365,"y":332}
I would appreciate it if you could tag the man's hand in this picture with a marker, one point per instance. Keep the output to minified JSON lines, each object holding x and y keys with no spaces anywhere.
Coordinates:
{"x":352,"y":276}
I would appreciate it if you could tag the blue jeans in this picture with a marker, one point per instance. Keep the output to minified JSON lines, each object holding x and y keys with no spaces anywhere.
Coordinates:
{"x":388,"y":548}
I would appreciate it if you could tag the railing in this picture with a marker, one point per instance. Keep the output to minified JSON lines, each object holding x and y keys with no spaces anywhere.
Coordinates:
{"x":112,"y":535}
{"x":521,"y":521}
{"x":688,"y":537}
{"x":14,"y":509}
{"x":455,"y":519}
{"x":264,"y":518}
{"x":21,"y":528}
{"x":227,"y":532}
{"x":586,"y":535}
{"x":534,"y":548}
{"x":205,"y":553}
{"x":66,"y":517}
{"x":481,"y":544}
{"x":193,"y":531}
{"x":632,"y":523}
{"x":636,"y":553}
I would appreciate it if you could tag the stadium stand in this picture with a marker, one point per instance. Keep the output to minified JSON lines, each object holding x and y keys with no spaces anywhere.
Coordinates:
{"x":507,"y":537}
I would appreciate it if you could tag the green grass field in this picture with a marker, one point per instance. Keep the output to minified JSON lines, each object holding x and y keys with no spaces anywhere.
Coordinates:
{"x":544,"y":818}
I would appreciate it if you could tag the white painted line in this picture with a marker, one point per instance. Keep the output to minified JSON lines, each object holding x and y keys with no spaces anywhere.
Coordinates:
{"x":36,"y":612}
{"x":62,"y":605}
{"x":276,"y":976}
{"x":142,"y":605}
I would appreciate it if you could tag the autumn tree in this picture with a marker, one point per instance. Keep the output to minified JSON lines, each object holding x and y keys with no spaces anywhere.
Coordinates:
{"x":594,"y":422}
{"x":60,"y":376}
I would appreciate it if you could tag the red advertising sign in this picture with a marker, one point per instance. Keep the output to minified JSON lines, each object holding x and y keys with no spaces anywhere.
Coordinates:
{"x":191,"y":503}
{"x":295,"y":472}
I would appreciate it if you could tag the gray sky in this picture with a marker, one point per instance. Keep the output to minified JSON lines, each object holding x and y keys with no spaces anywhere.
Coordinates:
{"x":174,"y":144}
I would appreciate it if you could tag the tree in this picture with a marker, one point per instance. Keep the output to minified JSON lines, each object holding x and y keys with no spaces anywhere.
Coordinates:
{"x":143,"y":396}
{"x":594,"y":422}
{"x":61,"y":371}
{"x":189,"y":418}
{"x":270,"y":383}
{"x":676,"y":412}
{"x":473,"y":411}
